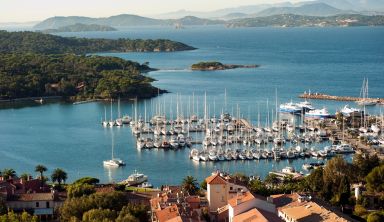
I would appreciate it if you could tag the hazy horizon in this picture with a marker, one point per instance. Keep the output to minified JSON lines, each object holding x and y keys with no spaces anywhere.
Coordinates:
{"x":20,"y":11}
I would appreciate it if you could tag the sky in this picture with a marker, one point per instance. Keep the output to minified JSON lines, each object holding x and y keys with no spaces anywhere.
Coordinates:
{"x":37,"y":10}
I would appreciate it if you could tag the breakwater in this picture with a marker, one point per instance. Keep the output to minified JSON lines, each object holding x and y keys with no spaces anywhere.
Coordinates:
{"x":322,"y":96}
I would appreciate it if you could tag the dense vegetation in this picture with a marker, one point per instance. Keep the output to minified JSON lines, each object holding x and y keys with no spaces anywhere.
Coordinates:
{"x":291,"y":20}
{"x":72,"y":76}
{"x":79,"y":27}
{"x":34,"y":42}
{"x":204,"y":66}
{"x":111,"y":206}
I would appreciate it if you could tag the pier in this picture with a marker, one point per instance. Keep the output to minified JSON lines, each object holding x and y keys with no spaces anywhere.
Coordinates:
{"x":322,"y":96}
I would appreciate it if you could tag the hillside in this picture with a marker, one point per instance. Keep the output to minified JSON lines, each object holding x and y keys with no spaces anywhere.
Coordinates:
{"x":315,"y":9}
{"x":290,"y":20}
{"x":72,"y":76}
{"x":34,"y":42}
{"x":121,"y":20}
{"x":79,"y":27}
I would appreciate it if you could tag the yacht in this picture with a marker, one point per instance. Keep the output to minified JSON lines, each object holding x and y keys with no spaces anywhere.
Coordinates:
{"x":145,"y":185}
{"x":135,"y":179}
{"x":347,"y":111}
{"x":318,"y":113}
{"x":115,"y":162}
{"x":126,"y":119}
{"x":289,"y":108}
{"x":305,"y":106}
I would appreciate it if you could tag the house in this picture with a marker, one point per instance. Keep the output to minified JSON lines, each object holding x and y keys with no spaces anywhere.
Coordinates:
{"x":220,"y":190}
{"x":168,"y":214}
{"x":246,"y":207}
{"x":189,"y":208}
{"x":301,"y":208}
{"x":40,"y":204}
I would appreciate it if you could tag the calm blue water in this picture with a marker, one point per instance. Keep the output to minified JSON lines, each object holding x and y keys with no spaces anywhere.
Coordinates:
{"x":293,"y":60}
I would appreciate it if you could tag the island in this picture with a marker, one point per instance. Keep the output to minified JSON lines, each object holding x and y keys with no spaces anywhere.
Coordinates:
{"x":34,"y":65}
{"x":79,"y":27}
{"x":209,"y":66}
{"x":37,"y":42}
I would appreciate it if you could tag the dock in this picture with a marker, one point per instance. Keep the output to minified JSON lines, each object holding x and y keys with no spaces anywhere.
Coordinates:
{"x":322,"y":96}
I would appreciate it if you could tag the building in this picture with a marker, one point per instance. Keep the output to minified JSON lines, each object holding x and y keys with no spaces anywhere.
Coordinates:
{"x":220,"y":189}
{"x":301,"y":208}
{"x":246,"y":207}
{"x":168,"y":214}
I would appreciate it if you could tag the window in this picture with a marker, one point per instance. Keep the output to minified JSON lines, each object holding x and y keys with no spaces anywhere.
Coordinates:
{"x":37,"y":204}
{"x":47,"y":204}
{"x":230,"y":188}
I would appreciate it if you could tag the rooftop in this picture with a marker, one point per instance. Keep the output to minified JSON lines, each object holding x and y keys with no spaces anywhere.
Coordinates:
{"x":215,"y":179}
{"x":167,"y":214}
{"x":241,"y":198}
{"x":310,"y":211}
{"x":252,"y":215}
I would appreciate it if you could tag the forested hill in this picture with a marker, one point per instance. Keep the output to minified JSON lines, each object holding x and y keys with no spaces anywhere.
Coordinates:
{"x":34,"y":42}
{"x":72,"y":76}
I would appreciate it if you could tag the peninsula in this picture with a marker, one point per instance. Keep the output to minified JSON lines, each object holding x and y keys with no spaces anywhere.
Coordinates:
{"x":34,"y":64}
{"x":79,"y":27}
{"x":210,"y":66}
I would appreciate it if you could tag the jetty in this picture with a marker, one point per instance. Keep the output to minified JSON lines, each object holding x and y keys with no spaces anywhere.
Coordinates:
{"x":322,"y":96}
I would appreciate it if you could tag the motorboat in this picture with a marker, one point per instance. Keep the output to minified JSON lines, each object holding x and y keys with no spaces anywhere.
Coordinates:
{"x":318,"y":113}
{"x":135,"y":179}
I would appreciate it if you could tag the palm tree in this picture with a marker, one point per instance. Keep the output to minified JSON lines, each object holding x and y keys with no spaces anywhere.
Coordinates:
{"x":190,"y":185}
{"x":40,"y":168}
{"x":8,"y":173}
{"x":24,"y":176}
{"x":59,"y":175}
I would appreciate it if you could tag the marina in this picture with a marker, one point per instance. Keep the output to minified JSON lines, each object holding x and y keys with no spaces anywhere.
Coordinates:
{"x":72,"y":136}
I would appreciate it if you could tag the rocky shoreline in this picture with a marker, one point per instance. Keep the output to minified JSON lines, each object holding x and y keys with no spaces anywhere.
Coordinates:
{"x":212,"y":66}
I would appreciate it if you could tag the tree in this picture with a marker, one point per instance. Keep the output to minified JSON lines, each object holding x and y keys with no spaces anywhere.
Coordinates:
{"x":25,"y":176}
{"x":271,"y":179}
{"x":79,"y":190}
{"x":59,"y":175}
{"x":363,"y":164}
{"x":190,"y":185}
{"x":8,"y":173}
{"x":344,"y":191}
{"x":375,"y":179}
{"x":99,"y":215}
{"x":375,"y":217}
{"x":41,"y":169}
{"x":203,"y":185}
{"x":315,"y":180}
{"x":87,"y":180}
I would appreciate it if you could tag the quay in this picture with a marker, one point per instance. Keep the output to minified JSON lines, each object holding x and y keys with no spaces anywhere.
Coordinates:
{"x":322,"y":96}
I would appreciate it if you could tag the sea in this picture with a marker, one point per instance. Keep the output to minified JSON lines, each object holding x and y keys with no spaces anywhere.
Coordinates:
{"x":292,"y":61}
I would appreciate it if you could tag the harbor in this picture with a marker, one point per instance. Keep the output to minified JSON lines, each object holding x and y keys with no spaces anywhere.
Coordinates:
{"x":290,"y":131}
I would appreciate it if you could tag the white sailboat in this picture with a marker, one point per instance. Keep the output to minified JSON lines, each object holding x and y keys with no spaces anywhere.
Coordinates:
{"x":113,"y":162}
{"x":365,"y":100}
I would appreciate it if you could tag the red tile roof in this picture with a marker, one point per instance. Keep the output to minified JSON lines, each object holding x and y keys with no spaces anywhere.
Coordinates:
{"x":167,"y":213}
{"x":241,"y":198}
{"x":215,"y":179}
{"x":252,"y":215}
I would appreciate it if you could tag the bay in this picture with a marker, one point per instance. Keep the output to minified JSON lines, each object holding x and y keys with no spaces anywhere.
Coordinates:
{"x":293,"y":60}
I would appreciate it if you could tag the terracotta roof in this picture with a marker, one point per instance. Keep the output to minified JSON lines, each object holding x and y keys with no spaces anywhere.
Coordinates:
{"x":252,"y":215}
{"x":35,"y":197}
{"x":283,"y":199}
{"x":271,"y":217}
{"x":215,"y":179}
{"x":192,"y":199}
{"x":310,"y":211}
{"x":167,"y":213}
{"x":241,"y":198}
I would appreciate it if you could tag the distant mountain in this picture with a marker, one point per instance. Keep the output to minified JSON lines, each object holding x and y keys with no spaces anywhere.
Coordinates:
{"x":118,"y":20}
{"x":192,"y":20}
{"x":356,"y":5}
{"x":78,"y":27}
{"x":290,"y":20}
{"x":121,"y":20}
{"x":314,"y":9}
{"x":221,"y":13}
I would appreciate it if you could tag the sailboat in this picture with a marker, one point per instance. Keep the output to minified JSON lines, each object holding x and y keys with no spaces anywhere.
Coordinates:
{"x":365,"y":100}
{"x":113,"y":162}
{"x":105,"y":122}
